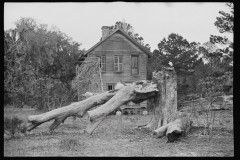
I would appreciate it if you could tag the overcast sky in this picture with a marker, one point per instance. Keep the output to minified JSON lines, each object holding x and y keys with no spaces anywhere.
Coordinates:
{"x":152,"y":21}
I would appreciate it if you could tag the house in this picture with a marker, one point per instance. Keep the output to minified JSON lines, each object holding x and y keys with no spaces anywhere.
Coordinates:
{"x":122,"y":59}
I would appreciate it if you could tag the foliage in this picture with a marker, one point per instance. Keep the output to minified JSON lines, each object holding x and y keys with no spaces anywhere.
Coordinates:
{"x":210,"y":76}
{"x":218,"y":58}
{"x":13,"y":125}
{"x":225,"y":24}
{"x":154,"y":63}
{"x":211,"y":88}
{"x":179,"y":53}
{"x":39,"y":64}
{"x":193,"y":60}
{"x":130,"y":31}
{"x":216,"y":63}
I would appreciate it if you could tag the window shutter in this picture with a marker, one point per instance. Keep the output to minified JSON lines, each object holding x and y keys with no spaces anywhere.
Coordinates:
{"x":134,"y":65}
{"x":102,"y":62}
{"x":120,"y":67}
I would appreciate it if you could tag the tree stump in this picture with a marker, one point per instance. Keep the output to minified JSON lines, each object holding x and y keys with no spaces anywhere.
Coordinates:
{"x":165,"y":103}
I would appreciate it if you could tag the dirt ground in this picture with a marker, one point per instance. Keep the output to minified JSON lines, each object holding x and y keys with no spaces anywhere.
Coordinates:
{"x":116,"y":136}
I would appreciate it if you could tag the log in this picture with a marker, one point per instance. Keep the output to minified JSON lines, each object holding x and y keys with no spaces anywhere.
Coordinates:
{"x":175,"y":129}
{"x":137,"y":92}
{"x":74,"y":109}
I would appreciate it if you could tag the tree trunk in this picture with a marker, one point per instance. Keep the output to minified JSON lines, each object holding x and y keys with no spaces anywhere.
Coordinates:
{"x":74,"y":109}
{"x":137,"y":92}
{"x":165,"y":104}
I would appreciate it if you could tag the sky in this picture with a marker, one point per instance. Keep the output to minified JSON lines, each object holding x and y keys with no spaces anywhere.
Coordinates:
{"x":153,"y":21}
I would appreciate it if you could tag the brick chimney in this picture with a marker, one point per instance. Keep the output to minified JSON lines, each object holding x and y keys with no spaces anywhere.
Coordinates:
{"x":105,"y":31}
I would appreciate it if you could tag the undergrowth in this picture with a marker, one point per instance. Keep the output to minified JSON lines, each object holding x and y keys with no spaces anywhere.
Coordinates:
{"x":13,"y":125}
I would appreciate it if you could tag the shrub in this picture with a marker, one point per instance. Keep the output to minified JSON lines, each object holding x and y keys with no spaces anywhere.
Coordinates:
{"x":211,"y":87}
{"x":14,"y":125}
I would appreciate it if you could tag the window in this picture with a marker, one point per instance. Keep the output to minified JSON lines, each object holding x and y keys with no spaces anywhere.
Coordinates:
{"x":118,"y":65}
{"x":110,"y":87}
{"x":135,"y":65}
{"x":103,"y":63}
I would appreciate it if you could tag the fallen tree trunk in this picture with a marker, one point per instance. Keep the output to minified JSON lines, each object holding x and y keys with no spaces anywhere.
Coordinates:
{"x":74,"y":109}
{"x":175,"y":129}
{"x":137,"y":93}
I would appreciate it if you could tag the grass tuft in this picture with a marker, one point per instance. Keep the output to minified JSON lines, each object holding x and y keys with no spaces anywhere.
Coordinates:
{"x":13,"y":125}
{"x":70,"y":144}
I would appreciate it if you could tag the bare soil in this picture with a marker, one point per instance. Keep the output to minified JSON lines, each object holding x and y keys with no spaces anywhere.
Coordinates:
{"x":116,"y":136}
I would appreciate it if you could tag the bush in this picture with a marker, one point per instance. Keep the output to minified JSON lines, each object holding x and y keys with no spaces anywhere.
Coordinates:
{"x":212,"y":88}
{"x":14,"y":125}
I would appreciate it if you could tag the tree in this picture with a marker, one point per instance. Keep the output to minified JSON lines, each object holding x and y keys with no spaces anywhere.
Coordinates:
{"x":177,"y":52}
{"x":216,"y":64}
{"x":130,"y":31}
{"x":154,"y":63}
{"x":225,"y":24}
{"x":13,"y":57}
{"x":47,"y":64}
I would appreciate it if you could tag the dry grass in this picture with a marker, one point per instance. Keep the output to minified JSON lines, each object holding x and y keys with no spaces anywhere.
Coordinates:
{"x":115,"y":136}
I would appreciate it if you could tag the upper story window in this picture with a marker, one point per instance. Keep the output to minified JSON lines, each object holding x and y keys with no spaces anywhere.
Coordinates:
{"x":135,"y":65}
{"x":118,"y":63}
{"x":103,"y":63}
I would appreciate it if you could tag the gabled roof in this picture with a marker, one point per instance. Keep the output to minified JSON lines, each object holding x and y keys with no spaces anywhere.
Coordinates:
{"x":146,"y":51}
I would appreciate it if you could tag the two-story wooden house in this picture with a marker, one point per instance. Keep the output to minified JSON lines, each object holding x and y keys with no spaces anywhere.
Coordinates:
{"x":122,"y":59}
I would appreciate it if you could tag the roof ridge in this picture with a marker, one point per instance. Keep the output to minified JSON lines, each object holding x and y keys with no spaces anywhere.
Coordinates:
{"x":129,"y":37}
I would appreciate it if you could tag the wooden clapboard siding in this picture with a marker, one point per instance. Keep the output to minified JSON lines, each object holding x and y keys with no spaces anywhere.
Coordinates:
{"x":110,"y":76}
{"x":118,"y":44}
